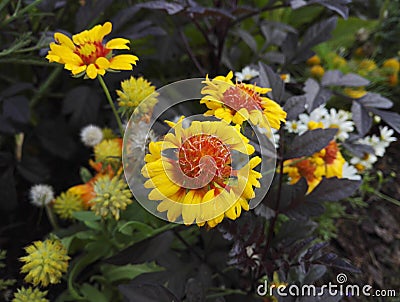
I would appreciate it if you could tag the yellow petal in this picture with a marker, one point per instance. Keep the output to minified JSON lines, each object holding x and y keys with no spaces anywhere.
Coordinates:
{"x":123,"y":62}
{"x":64,"y":40}
{"x":118,"y":43}
{"x":91,"y":71}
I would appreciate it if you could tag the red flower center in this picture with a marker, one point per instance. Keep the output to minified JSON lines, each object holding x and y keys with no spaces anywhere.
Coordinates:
{"x":240,"y":96}
{"x":331,"y":153}
{"x":205,"y":159}
{"x":91,"y":51}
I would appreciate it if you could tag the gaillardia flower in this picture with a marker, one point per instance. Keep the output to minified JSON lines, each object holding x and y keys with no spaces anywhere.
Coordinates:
{"x":193,"y":174}
{"x":45,"y":263}
{"x":239,"y":102}
{"x":327,"y":163}
{"x":112,"y":196}
{"x":86,"y":54}
{"x":29,"y":295}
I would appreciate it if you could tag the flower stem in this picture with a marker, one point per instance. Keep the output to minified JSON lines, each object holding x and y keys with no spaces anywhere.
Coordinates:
{"x":110,"y":101}
{"x":387,"y":198}
{"x":51,"y":217}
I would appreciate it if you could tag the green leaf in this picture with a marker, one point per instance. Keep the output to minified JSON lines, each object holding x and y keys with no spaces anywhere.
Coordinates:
{"x":86,"y":216}
{"x":92,"y":294}
{"x":115,"y":273}
{"x":129,"y":227}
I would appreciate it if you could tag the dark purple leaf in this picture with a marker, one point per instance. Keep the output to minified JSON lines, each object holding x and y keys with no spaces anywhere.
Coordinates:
{"x":375,"y":100}
{"x":361,"y":118}
{"x":316,"y":34}
{"x":274,"y":57}
{"x":294,"y":106}
{"x":32,"y":169}
{"x":208,"y":11}
{"x":295,"y":4}
{"x":82,"y":106}
{"x":305,"y":211}
{"x":333,"y":260}
{"x":336,"y":78}
{"x":289,"y":46}
{"x":333,"y":189}
{"x":16,"y":108}
{"x":315,"y":94}
{"x":310,"y":142}
{"x":88,"y":12}
{"x":268,"y":78}
{"x":8,"y":201}
{"x":358,"y":150}
{"x":124,"y":16}
{"x":6,"y":126}
{"x":338,"y":6}
{"x":15,"y":89}
{"x":248,"y":39}
{"x":146,"y":292}
{"x":169,"y":7}
{"x":391,"y":118}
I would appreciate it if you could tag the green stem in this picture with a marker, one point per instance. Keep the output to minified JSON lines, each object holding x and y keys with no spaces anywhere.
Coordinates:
{"x":52,"y":218}
{"x":387,"y":198}
{"x":46,"y":85}
{"x":110,"y":101}
{"x":17,"y":13}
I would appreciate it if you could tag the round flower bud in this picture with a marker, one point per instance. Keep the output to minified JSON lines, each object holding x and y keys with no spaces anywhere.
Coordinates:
{"x":41,"y":195}
{"x":91,"y":135}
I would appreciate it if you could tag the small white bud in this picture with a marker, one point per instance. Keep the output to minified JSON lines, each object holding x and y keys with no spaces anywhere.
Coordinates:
{"x":91,"y":135}
{"x":41,"y":195}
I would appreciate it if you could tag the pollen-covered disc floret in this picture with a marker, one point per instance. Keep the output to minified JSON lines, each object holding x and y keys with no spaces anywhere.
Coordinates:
{"x":29,"y":295}
{"x":112,"y":197}
{"x":45,"y":262}
{"x":192,"y":176}
{"x":87,"y":54}
{"x":67,"y":204}
{"x":238,"y":102}
{"x":41,"y":195}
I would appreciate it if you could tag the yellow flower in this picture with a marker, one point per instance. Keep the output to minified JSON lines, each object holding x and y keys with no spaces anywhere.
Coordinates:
{"x":112,"y":196}
{"x":339,"y":62}
{"x":355,"y":93}
{"x":314,"y":60}
{"x":191,"y":173}
{"x":45,"y":263}
{"x":86,"y":54}
{"x":29,"y":295}
{"x":317,"y":71}
{"x":108,"y":151}
{"x":392,"y":65}
{"x":68,"y":203}
{"x":365,"y":66}
{"x":235,"y":103}
{"x":133,"y":92}
{"x":326,"y":163}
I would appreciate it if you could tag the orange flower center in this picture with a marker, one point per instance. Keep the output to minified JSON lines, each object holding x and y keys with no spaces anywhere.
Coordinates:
{"x":331,"y":152}
{"x":306,"y":169}
{"x":240,"y":96}
{"x":91,"y":51}
{"x":204,"y":157}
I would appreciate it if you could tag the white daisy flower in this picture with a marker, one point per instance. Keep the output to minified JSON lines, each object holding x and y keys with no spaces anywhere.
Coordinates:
{"x":350,"y":172}
{"x":91,"y":135}
{"x":41,"y":195}
{"x":340,"y":120}
{"x":246,"y":74}
{"x":317,"y":115}
{"x":386,"y":135}
{"x":374,"y":141}
{"x":364,"y":163}
{"x":293,"y":126}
